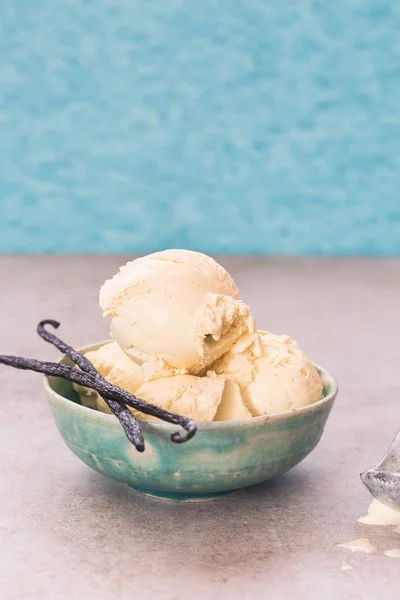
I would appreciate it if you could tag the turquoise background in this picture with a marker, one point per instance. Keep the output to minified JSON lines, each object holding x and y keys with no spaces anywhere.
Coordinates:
{"x":240,"y":126}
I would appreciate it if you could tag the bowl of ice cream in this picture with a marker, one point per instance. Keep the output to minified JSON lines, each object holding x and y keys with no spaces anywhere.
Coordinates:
{"x":185,"y":350}
{"x":223,"y":457}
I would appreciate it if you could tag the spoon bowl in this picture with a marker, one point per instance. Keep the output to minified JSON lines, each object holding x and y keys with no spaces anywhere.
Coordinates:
{"x":383,"y":481}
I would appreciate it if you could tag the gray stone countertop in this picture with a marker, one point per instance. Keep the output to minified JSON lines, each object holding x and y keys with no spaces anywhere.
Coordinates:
{"x":70,"y":533}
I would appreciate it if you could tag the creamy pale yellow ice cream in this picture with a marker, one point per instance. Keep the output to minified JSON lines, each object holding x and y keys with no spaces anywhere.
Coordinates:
{"x":232,"y":406}
{"x":281,"y":379}
{"x":117,"y":368}
{"x":186,"y":342}
{"x":199,"y":398}
{"x":193,"y":397}
{"x":174,"y":312}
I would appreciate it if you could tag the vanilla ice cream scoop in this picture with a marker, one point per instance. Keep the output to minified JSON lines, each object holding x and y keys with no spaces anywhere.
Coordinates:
{"x":194,"y":397}
{"x":232,"y":406}
{"x":174,"y":312}
{"x":281,"y":379}
{"x":115,"y":366}
{"x":199,"y":398}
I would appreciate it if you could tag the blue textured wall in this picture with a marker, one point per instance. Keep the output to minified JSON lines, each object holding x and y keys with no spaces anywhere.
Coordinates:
{"x":258,"y":126}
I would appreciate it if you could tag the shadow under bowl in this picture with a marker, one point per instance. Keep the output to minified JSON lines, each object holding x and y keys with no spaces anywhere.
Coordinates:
{"x":222,"y":458}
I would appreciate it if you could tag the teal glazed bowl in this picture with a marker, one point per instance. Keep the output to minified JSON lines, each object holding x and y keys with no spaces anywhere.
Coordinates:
{"x":222,"y":458}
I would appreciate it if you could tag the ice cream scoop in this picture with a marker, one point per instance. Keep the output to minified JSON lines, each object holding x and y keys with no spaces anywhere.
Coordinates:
{"x":198,"y":398}
{"x":281,"y":378}
{"x":174,"y":312}
{"x":232,"y":406}
{"x":115,"y":366}
{"x":193,"y":397}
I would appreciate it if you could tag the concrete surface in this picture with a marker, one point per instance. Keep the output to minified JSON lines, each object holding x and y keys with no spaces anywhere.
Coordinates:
{"x":69,"y":533}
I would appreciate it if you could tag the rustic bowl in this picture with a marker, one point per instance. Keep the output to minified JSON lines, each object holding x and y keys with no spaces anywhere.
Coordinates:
{"x":222,"y":458}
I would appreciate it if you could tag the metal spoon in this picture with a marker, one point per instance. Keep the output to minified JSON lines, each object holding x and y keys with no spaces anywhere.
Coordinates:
{"x":383,"y":481}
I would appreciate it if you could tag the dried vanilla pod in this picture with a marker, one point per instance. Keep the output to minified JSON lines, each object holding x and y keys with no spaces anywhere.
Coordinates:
{"x":115,"y":397}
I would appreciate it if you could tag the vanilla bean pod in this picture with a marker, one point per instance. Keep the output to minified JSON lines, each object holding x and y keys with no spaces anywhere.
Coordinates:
{"x":116,"y":398}
{"x":78,"y":358}
{"x":113,"y":392}
{"x":40,"y":366}
{"x":129,"y":423}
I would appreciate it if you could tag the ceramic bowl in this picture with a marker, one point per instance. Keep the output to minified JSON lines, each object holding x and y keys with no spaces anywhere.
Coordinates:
{"x":222,"y":458}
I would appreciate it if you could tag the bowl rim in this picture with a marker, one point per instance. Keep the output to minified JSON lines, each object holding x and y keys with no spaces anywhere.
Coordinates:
{"x":91,"y":413}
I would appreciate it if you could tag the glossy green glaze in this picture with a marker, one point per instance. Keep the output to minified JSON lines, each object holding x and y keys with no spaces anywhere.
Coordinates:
{"x":222,"y":457}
